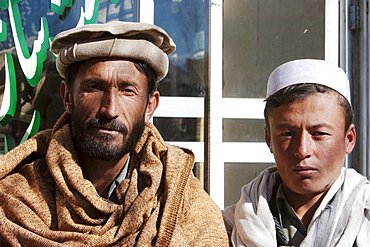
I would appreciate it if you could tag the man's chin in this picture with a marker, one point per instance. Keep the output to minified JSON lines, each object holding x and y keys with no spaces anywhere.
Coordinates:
{"x":106,"y":146}
{"x":107,"y":152}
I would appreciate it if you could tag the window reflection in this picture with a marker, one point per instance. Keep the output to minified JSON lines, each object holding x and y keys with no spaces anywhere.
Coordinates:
{"x":187,"y":23}
{"x":259,"y":35}
{"x":237,"y":175}
{"x":180,"y":129}
{"x":243,"y":130}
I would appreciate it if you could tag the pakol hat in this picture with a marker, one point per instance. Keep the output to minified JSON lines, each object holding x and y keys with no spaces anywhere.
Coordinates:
{"x":116,"y":39}
{"x":309,"y":71}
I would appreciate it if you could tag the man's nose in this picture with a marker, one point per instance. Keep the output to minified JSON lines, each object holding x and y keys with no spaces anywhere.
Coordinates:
{"x":303,"y":146}
{"x":110,"y":104}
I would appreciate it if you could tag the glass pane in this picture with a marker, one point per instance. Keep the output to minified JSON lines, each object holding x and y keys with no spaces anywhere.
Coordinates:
{"x":180,"y":129}
{"x":243,"y":130}
{"x":187,"y":23}
{"x":262,"y":34}
{"x":198,"y":171}
{"x":236,"y":176}
{"x":38,"y":95}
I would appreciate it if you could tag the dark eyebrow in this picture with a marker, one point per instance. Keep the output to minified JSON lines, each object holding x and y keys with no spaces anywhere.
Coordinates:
{"x":285,"y":125}
{"x":93,"y":80}
{"x":125,"y":83}
{"x":319,"y":125}
{"x":97,"y":80}
{"x":290,"y":126}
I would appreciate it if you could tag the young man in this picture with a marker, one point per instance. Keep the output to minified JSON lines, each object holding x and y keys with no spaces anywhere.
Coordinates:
{"x":308,"y":199}
{"x":103,"y":176}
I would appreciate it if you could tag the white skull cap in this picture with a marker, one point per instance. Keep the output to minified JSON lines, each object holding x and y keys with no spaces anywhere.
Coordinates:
{"x":309,"y":71}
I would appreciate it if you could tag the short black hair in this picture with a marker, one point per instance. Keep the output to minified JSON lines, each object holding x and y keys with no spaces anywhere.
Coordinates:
{"x":301,"y":91}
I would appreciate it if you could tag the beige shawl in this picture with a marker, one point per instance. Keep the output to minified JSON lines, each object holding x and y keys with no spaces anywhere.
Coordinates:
{"x":46,"y":201}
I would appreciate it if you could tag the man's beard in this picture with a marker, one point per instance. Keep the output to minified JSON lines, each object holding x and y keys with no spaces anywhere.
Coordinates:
{"x":102,"y":146}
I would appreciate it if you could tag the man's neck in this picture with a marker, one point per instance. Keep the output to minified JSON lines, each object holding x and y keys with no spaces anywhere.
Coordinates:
{"x":304,"y":205}
{"x":101,"y":173}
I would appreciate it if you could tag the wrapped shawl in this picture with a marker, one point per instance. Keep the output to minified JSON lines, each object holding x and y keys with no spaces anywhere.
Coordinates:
{"x":342,"y":218}
{"x":46,"y":201}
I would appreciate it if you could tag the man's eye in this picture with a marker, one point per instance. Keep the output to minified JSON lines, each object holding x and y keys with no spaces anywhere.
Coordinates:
{"x":97,"y":87}
{"x":287,"y":134}
{"x":94,"y":87}
{"x":318,"y":133}
{"x":128,"y":91}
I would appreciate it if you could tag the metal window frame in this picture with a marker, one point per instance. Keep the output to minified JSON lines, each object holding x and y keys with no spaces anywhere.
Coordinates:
{"x":214,"y":152}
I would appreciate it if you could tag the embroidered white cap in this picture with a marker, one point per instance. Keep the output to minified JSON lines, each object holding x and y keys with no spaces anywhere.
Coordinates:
{"x":309,"y":71}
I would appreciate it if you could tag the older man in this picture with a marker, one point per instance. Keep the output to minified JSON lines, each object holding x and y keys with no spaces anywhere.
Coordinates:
{"x":103,"y":176}
{"x":308,"y":199}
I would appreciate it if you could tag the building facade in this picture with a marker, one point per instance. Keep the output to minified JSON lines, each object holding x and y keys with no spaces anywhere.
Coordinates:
{"x":212,"y":97}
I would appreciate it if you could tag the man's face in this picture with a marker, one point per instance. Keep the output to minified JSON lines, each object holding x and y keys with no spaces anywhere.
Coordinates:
{"x":309,"y":142}
{"x":108,"y":106}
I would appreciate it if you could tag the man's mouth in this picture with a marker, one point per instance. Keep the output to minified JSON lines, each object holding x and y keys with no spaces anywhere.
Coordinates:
{"x":106,"y":129}
{"x":305,"y":171}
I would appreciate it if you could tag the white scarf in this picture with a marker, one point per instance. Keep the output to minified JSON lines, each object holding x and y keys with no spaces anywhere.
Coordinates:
{"x":252,"y":222}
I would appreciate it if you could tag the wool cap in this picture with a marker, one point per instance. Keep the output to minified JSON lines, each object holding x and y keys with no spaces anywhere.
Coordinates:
{"x":309,"y":71}
{"x":116,"y":39}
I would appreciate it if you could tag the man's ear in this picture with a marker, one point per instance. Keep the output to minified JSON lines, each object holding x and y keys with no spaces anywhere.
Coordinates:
{"x":350,"y":138}
{"x":151,"y":106}
{"x":268,"y":138}
{"x":66,"y":96}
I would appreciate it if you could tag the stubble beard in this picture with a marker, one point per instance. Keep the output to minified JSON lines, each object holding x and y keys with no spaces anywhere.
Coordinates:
{"x":104,"y":146}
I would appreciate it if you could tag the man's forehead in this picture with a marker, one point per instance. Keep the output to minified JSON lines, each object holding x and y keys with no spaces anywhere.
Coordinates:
{"x":312,"y":106}
{"x":315,"y":99}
